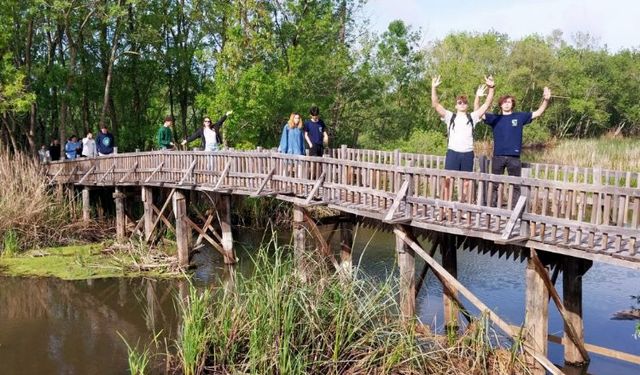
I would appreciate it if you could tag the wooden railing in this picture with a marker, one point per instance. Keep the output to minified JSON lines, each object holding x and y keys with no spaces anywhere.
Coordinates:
{"x":555,"y":172}
{"x":576,"y":216}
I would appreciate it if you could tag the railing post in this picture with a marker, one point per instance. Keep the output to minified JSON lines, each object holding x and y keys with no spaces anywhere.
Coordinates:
{"x":299,"y":241}
{"x":346,"y":243}
{"x":526,"y":192}
{"x":224,"y":213}
{"x":449,"y":295}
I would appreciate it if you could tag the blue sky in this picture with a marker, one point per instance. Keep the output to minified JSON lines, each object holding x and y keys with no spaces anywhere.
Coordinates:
{"x":613,"y":22}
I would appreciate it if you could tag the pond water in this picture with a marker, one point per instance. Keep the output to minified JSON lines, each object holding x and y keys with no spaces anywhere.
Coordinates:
{"x":49,"y":326}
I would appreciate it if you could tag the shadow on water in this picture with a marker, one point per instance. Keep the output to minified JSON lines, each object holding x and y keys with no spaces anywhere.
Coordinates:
{"x":49,"y":326}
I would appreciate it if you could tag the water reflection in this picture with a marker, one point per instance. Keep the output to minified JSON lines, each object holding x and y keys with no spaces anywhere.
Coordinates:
{"x":49,"y":326}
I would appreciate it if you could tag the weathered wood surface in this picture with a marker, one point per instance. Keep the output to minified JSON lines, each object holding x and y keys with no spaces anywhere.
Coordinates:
{"x":590,"y":218}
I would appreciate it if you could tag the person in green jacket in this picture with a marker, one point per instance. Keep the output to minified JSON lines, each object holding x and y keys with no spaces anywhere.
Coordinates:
{"x":164,"y":136}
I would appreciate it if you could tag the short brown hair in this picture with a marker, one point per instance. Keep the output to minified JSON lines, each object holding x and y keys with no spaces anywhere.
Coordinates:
{"x":463,"y":98}
{"x":168,"y":118}
{"x":504,"y":98}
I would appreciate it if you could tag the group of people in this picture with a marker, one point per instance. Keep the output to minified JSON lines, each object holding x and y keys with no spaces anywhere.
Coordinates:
{"x":507,"y":126}
{"x":296,"y":133}
{"x":87,"y":147}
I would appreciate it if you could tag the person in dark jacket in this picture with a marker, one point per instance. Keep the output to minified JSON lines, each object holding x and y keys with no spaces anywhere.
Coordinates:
{"x":105,"y":142}
{"x":164,"y":136}
{"x":54,"y":150}
{"x":210,"y":134}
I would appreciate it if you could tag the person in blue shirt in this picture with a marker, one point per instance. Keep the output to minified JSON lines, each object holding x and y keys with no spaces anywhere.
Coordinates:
{"x":507,"y":137}
{"x":72,"y":147}
{"x":315,"y":132}
{"x":105,"y":142}
{"x":292,"y":139}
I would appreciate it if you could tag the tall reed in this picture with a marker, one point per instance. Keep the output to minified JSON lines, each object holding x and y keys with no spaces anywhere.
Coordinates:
{"x":32,"y":213}
{"x":273,"y":322}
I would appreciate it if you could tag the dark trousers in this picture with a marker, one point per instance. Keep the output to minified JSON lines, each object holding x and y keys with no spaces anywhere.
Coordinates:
{"x":316,"y":150}
{"x":514,"y":168}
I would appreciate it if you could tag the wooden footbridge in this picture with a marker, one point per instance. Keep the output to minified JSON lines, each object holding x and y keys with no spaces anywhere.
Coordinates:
{"x":563,"y":218}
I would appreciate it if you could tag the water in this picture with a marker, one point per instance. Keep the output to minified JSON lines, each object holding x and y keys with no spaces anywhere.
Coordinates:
{"x":48,"y":326}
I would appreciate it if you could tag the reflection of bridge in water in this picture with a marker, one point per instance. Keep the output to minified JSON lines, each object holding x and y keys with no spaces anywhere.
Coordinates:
{"x":564,"y":218}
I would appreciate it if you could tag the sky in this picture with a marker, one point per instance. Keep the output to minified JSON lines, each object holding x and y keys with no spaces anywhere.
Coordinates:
{"x":613,"y":23}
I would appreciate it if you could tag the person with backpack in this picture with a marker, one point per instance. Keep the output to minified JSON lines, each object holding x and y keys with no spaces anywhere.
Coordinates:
{"x":460,"y":127}
{"x":507,"y":129}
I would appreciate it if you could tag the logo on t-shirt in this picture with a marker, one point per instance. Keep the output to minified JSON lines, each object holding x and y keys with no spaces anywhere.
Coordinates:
{"x":514,"y":122}
{"x":106,"y":142}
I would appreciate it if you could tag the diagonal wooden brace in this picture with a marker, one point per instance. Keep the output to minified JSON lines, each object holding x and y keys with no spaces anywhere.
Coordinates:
{"x":315,"y":188}
{"x":397,"y":200}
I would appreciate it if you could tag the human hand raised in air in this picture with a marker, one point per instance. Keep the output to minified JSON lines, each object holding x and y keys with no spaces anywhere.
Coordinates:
{"x":489,"y":82}
{"x":436,"y":81}
{"x":482,"y":90}
{"x":229,"y":113}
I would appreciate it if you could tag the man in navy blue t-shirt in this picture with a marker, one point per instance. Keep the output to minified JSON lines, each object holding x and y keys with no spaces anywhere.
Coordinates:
{"x":507,"y":137}
{"x":315,"y":132}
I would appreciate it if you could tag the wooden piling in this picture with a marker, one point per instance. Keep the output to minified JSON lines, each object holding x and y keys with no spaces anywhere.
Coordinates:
{"x":86,"y":205}
{"x":224,"y":214}
{"x":148,"y":217}
{"x":536,"y":321}
{"x":299,"y":241}
{"x":449,"y":295}
{"x":407,"y":265}
{"x":573,"y":270}
{"x":346,"y":243}
{"x":121,"y":224}
{"x":182,"y":228}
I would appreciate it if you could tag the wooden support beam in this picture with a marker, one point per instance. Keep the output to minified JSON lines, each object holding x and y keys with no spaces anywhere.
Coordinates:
{"x":322,"y":243}
{"x":224,"y":216}
{"x":182,"y":228}
{"x":263,"y":184}
{"x":160,"y":215}
{"x":120,"y":218}
{"x":126,"y":175}
{"x":576,"y":336}
{"x":397,"y":200}
{"x":536,"y":320}
{"x":53,"y":179}
{"x":515,"y":215}
{"x":223,"y":175}
{"x":407,"y":265}
{"x":203,"y":234}
{"x":71,"y":175}
{"x":423,"y":274}
{"x":163,"y":218}
{"x":86,"y":175}
{"x":188,"y":172}
{"x":158,"y":168}
{"x":111,"y":169}
{"x":504,"y":326}
{"x":86,"y":205}
{"x":315,"y":188}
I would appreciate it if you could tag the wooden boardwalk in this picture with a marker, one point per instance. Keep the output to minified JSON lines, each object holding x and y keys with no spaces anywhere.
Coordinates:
{"x":564,"y":217}
{"x":581,"y":212}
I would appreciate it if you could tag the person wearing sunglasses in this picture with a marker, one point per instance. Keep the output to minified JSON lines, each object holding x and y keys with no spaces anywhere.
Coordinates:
{"x":460,"y":125}
{"x":210,"y":134}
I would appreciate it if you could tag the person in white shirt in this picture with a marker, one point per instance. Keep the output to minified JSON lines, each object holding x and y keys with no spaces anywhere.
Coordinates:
{"x":209,"y":134}
{"x":460,"y":127}
{"x":89,"y":148}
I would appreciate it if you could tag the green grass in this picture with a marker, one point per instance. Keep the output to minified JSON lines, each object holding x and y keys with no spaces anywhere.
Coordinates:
{"x":73,"y":263}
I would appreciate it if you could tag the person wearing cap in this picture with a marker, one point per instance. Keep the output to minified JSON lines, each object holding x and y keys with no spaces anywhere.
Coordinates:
{"x":105,"y":142}
{"x":164,"y":135}
{"x":507,"y":129}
